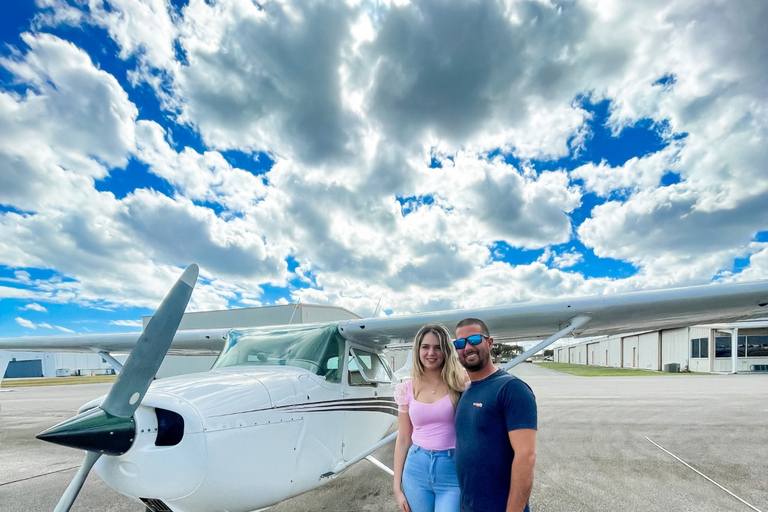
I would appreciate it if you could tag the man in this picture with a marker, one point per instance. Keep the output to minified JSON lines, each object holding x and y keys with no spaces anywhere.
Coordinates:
{"x":495,"y":429}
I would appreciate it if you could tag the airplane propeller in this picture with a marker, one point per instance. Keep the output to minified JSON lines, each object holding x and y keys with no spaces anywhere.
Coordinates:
{"x":110,"y":428}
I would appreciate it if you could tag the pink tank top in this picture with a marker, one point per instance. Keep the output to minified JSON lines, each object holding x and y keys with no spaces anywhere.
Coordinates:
{"x":433,"y":427}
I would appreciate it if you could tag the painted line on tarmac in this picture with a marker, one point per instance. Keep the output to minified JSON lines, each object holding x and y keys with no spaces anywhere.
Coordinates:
{"x":702,"y":474}
{"x":37,"y":476}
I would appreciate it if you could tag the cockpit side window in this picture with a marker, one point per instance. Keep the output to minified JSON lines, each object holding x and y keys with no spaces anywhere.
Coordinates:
{"x":367,"y":368}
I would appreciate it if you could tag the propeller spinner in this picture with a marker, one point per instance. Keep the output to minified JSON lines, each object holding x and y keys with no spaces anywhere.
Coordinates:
{"x":109,"y":428}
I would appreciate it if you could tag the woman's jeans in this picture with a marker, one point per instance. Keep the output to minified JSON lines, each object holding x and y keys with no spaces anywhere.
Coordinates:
{"x":429,"y":480}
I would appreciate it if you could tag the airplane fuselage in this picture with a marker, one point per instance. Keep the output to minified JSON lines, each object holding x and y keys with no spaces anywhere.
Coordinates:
{"x":252,"y":437}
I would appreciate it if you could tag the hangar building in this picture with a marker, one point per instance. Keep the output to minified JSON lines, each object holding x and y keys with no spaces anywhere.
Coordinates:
{"x":721,"y":348}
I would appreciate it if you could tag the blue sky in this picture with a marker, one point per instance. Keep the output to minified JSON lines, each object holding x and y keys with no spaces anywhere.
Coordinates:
{"x":428,"y":156}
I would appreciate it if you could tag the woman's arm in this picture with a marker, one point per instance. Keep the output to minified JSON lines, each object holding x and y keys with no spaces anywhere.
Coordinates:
{"x":402,"y":444}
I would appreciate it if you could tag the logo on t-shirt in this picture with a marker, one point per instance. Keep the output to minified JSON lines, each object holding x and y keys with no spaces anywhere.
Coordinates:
{"x":477,"y":404}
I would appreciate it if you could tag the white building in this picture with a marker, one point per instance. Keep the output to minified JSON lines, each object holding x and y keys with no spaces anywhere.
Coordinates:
{"x":738,"y":347}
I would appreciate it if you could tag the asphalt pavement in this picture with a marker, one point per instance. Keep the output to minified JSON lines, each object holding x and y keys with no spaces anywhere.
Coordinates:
{"x":594,"y":448}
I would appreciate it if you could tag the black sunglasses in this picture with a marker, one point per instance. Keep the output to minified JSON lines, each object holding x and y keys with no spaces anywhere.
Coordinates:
{"x":473,"y":340}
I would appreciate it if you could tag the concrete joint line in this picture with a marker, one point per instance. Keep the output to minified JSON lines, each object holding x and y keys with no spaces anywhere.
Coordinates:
{"x":38,"y":476}
{"x":702,"y":474}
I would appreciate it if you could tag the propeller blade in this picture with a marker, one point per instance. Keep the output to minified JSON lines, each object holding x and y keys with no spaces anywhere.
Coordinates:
{"x":110,"y":428}
{"x":73,"y":489}
{"x":148,"y":353}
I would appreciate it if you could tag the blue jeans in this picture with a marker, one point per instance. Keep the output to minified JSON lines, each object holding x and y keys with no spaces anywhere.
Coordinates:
{"x":429,"y":480}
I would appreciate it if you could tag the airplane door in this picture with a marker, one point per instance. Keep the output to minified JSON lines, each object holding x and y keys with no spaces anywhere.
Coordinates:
{"x":319,"y":447}
{"x":370,"y":410}
{"x":321,"y":400}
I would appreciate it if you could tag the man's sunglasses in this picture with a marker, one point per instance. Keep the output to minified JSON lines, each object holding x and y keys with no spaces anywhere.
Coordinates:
{"x":473,"y":340}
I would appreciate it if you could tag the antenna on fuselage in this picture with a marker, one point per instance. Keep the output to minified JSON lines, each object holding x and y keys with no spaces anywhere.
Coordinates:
{"x":376,"y":310}
{"x":294,"y":311}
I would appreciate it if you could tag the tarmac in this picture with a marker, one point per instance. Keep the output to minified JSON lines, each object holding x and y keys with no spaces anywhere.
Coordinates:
{"x":595,"y":447}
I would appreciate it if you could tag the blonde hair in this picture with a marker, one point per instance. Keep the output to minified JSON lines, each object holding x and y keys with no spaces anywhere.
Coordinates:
{"x":452,"y":373}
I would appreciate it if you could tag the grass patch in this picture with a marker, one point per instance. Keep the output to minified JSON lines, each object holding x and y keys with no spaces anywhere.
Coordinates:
{"x":56,"y":381}
{"x":583,"y":370}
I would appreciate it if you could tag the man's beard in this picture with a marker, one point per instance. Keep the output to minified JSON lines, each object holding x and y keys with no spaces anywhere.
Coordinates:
{"x":482,"y":361}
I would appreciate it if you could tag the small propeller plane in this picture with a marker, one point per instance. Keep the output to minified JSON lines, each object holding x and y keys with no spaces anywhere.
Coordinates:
{"x":286,"y":409}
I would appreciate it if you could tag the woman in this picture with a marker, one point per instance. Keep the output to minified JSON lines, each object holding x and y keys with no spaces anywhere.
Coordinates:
{"x":425,"y":472}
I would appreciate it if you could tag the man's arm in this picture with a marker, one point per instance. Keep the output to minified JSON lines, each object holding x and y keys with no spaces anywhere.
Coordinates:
{"x":523,"y":442}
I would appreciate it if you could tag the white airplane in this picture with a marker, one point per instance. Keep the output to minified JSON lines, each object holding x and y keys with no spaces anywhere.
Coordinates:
{"x":285,"y":409}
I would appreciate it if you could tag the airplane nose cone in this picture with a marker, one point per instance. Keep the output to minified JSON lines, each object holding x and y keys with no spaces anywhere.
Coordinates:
{"x":95,"y":431}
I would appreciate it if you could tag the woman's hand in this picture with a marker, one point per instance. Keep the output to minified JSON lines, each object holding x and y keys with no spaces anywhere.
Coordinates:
{"x":402,"y":502}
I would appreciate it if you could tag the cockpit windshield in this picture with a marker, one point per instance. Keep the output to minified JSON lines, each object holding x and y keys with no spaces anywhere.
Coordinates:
{"x":311,"y":347}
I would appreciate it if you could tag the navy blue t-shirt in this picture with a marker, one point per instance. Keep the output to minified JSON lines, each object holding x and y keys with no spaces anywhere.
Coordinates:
{"x":487,"y":411}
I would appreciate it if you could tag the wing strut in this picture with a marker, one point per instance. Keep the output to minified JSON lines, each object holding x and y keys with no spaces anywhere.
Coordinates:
{"x":575,"y":323}
{"x":114,"y":363}
{"x":379,"y":465}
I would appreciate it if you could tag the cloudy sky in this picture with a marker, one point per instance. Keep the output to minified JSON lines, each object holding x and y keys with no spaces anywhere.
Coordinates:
{"x":426,"y":154}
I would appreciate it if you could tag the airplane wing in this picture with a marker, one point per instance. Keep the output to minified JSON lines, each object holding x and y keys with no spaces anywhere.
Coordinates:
{"x":188,"y":342}
{"x":601,"y":315}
